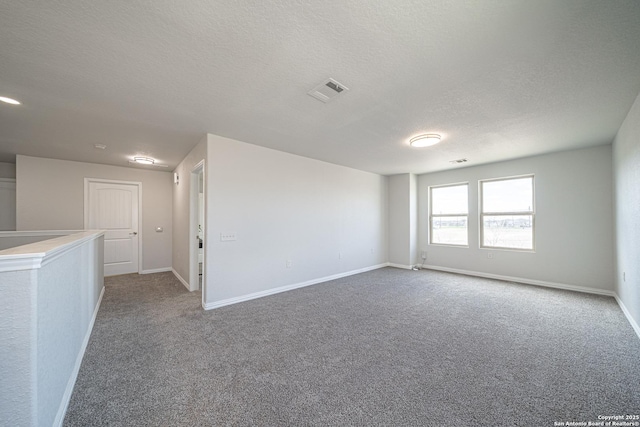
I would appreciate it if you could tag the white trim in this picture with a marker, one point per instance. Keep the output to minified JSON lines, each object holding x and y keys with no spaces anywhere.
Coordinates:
{"x":38,"y":233}
{"x":156,"y":270}
{"x":403,"y":266}
{"x":243,"y":298}
{"x":531,"y":213}
{"x":432,"y":215}
{"x":523,"y":280}
{"x":66,"y":397}
{"x":626,"y":312}
{"x":39,"y":254}
{"x":179,"y":277}
{"x":194,"y":217}
{"x":24,"y":263}
{"x":140,"y":224}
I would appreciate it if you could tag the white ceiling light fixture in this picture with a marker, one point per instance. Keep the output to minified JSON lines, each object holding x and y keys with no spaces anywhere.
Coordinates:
{"x":146,"y":161}
{"x":9,"y":100}
{"x":143,"y":160}
{"x":426,"y":140}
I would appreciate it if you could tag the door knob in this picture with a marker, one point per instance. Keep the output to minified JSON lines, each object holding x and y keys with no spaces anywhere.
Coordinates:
{"x":135,"y":233}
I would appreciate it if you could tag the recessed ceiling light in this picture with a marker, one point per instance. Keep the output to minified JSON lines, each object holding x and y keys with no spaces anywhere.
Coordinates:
{"x":426,"y":140}
{"x":9,"y":100}
{"x":144,"y":160}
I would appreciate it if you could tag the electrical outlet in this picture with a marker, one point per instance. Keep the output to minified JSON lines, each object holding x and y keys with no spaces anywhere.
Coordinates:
{"x":423,"y":255}
{"x":289,"y":263}
{"x":339,"y":255}
{"x":490,"y":255}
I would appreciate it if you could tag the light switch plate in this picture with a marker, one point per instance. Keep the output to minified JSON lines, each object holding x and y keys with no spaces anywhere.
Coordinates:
{"x":227,"y":237}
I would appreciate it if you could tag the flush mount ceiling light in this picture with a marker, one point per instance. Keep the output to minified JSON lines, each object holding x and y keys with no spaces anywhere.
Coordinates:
{"x":144,"y":160}
{"x":426,"y":140}
{"x":9,"y":100}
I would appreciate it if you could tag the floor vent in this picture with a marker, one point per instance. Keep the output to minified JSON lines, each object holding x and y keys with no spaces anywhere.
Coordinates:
{"x":327,"y":90}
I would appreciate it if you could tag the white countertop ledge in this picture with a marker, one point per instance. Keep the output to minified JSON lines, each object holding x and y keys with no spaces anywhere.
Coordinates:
{"x":38,"y":254}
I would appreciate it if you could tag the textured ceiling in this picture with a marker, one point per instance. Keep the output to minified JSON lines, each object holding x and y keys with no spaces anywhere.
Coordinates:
{"x":498,"y":79}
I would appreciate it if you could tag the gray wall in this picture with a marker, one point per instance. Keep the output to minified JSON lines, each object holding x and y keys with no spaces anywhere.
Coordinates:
{"x":626,"y":160}
{"x":403,"y":220}
{"x":50,"y":196}
{"x":326,"y":219}
{"x":182,"y":209}
{"x":17,"y":340}
{"x":12,"y":239}
{"x":574,"y":220}
{"x":46,"y":315}
{"x":7,"y":170}
{"x":7,"y":204}
{"x":67,"y":297}
{"x":7,"y":197}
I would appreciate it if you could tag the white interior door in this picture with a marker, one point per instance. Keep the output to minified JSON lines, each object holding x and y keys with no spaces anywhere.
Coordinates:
{"x":113,"y":207}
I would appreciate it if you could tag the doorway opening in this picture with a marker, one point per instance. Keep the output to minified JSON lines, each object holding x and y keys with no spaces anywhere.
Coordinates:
{"x":197,"y":222}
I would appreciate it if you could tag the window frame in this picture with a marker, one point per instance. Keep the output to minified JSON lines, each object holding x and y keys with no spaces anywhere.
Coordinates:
{"x":431,"y":214}
{"x":532,"y":213}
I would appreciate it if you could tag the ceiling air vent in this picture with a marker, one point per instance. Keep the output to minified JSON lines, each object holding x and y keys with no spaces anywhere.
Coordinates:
{"x":458,"y":161}
{"x":327,"y":90}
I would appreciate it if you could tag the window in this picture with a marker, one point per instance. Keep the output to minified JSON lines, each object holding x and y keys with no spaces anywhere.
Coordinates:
{"x":448,"y":215}
{"x":507,"y":213}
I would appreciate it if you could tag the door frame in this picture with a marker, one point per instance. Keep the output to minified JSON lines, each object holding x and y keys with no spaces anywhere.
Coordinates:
{"x":199,"y":168}
{"x":87,"y":181}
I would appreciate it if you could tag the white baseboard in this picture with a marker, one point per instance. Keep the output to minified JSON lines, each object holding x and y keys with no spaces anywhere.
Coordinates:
{"x":179,"y":277}
{"x":156,"y":270}
{"x":624,"y":309}
{"x":403,"y":266}
{"x":242,"y":298}
{"x":626,"y":312}
{"x":66,"y":397}
{"x":523,"y":280}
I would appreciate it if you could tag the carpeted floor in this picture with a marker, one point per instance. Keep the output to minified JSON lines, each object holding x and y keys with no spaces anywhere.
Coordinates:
{"x":388,"y":347}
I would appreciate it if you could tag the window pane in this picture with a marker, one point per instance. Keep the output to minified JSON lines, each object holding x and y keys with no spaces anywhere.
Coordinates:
{"x":511,"y":195}
{"x":508,"y":231}
{"x":449,"y":230}
{"x":449,"y":200}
